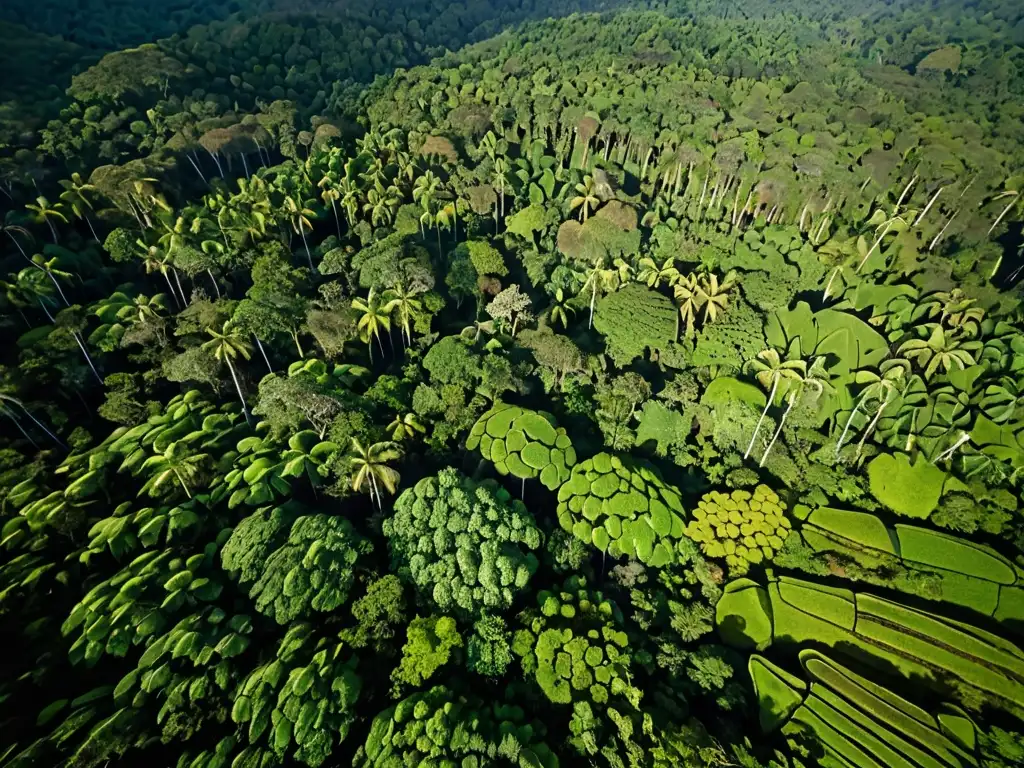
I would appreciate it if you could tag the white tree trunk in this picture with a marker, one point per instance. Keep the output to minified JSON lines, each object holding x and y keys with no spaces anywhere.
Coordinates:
{"x":767,"y":405}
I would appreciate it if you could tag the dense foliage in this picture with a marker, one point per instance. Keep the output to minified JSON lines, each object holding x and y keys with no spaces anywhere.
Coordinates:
{"x":401,"y":384}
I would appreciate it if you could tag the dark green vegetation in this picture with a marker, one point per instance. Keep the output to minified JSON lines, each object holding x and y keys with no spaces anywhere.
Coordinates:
{"x":636,"y":389}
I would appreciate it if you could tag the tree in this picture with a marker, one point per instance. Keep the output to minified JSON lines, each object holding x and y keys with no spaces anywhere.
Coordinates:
{"x":12,"y":229}
{"x":44,"y":213}
{"x":880,"y":386}
{"x":405,"y":304}
{"x":559,"y":310}
{"x":7,"y":405}
{"x":431,"y":642}
{"x":299,"y":216}
{"x":488,"y":651}
{"x":293,"y":565}
{"x":374,"y":316}
{"x":942,"y":349}
{"x":405,"y":426}
{"x":370,"y":468}
{"x":586,"y":198}
{"x":76,"y":196}
{"x":654,"y":274}
{"x":466,"y":546}
{"x":379,"y":614}
{"x":510,"y":306}
{"x":688,"y":297}
{"x":599,"y":277}
{"x":49,"y":268}
{"x":226,"y":345}
{"x":770,"y":369}
{"x":176,"y":463}
{"x":714,"y":296}
{"x":553,"y":351}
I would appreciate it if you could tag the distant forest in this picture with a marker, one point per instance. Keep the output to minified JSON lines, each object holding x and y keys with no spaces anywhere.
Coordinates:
{"x":616,"y":384}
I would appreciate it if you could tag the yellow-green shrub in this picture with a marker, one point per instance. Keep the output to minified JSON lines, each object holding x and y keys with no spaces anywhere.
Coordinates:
{"x":741,"y":527}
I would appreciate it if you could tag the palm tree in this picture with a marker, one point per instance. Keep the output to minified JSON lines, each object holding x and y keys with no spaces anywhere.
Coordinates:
{"x":48,"y":268}
{"x":144,"y":309}
{"x":586,"y":198}
{"x":501,"y":170}
{"x":155,"y":260}
{"x":349,"y":199}
{"x":603,"y":278}
{"x":953,"y":308}
{"x":654,"y":274}
{"x":883,"y":226}
{"x":477,"y":329}
{"x":405,"y":426}
{"x":370,"y":468}
{"x":175,"y":463}
{"x":448,"y":217}
{"x":374,"y":318}
{"x":28,"y":289}
{"x":44,"y":212}
{"x":226,"y":345}
{"x":9,"y":228}
{"x":1015,"y":197}
{"x":406,"y":305}
{"x":6,"y":401}
{"x":560,"y":310}
{"x":940,"y":350}
{"x":880,"y":386}
{"x":76,"y":197}
{"x":687,"y":296}
{"x":816,"y":378}
{"x":770,"y":370}
{"x":381,"y":203}
{"x":714,"y":296}
{"x":299,"y":215}
{"x":424,"y":191}
{"x":331,"y":194}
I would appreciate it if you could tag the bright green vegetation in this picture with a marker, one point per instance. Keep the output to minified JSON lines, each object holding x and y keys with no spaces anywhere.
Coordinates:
{"x":958,"y":660}
{"x":468,"y":547}
{"x":741,"y":527}
{"x":623,"y":508}
{"x":511,"y":384}
{"x":857,"y":722}
{"x":442,"y":727}
{"x":912,"y":490}
{"x":932,"y":563}
{"x":524,"y":444}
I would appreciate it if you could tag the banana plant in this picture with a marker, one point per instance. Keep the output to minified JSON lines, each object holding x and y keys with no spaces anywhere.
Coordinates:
{"x":139,"y":600}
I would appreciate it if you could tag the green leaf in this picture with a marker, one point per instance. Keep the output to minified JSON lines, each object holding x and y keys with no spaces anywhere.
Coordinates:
{"x":50,"y":711}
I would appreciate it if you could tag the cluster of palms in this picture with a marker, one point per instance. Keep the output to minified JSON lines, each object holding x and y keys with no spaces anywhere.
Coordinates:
{"x":700,"y":295}
{"x":378,"y":311}
{"x":921,"y":397}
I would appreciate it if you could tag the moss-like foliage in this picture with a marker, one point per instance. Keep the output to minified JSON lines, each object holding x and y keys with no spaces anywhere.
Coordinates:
{"x":573,"y":648}
{"x":467,"y":546}
{"x":634,"y":319}
{"x":912,"y":490}
{"x":624,"y":508}
{"x":741,"y":527}
{"x":291,"y":571}
{"x":524,"y":443}
{"x":440,"y":727}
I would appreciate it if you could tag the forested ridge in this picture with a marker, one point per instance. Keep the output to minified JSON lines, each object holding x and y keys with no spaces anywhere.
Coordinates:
{"x":585,"y":383}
